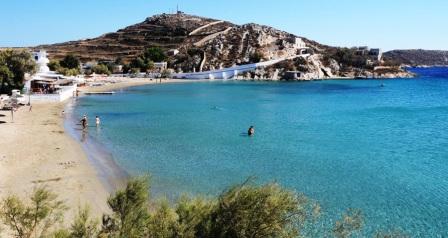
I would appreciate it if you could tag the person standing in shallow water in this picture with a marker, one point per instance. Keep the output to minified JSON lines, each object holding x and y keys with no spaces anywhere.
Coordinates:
{"x":251,"y":131}
{"x":84,"y":122}
{"x":97,"y":121}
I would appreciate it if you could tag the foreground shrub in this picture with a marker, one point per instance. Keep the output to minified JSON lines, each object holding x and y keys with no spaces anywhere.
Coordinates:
{"x":193,"y":216}
{"x":83,"y":226}
{"x":246,"y":210}
{"x":130,"y":211}
{"x":34,"y":219}
{"x":258,"y":211}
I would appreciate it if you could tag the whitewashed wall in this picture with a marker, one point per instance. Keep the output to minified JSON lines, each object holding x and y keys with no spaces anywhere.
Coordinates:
{"x":65,"y":93}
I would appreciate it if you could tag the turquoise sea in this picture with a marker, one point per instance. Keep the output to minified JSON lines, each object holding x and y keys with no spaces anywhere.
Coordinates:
{"x":344,"y":143}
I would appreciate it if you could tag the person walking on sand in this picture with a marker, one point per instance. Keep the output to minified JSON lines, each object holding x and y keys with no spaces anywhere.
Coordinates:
{"x":84,"y":122}
{"x":97,"y":121}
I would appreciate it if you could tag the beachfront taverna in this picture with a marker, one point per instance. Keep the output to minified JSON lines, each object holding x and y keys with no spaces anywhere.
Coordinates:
{"x":46,"y":85}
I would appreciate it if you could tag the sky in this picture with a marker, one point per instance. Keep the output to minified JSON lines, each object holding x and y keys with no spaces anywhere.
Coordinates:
{"x":387,"y":24}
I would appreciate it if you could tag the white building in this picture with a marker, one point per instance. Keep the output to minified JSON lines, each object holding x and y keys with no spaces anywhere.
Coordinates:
{"x":299,"y":43}
{"x":42,"y":61}
{"x":48,"y":86}
{"x":160,"y":66}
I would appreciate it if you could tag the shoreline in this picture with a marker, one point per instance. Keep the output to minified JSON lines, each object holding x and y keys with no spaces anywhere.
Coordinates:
{"x":111,"y":175}
{"x":39,"y":149}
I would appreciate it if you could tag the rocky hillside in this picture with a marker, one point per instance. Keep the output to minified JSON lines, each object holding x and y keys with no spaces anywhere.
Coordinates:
{"x":206,"y":44}
{"x":418,"y":57}
{"x":165,"y":31}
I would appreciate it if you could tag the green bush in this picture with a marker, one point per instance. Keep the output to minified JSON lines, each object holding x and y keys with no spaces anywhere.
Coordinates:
{"x":54,"y":65}
{"x":101,"y":69}
{"x":155,"y":54}
{"x":258,"y":211}
{"x":130,"y":211}
{"x":34,"y":219}
{"x":83,"y":226}
{"x":70,"y":62}
{"x":68,"y":72}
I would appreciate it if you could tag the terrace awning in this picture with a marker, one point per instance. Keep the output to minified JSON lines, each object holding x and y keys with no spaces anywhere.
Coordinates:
{"x":54,"y":82}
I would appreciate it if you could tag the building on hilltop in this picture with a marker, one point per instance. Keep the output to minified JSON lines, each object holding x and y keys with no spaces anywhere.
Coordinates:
{"x":374,"y":54}
{"x":298,"y":44}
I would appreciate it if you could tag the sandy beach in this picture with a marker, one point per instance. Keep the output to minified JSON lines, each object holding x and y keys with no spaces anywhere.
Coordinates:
{"x":35,"y":151}
{"x":124,"y":82}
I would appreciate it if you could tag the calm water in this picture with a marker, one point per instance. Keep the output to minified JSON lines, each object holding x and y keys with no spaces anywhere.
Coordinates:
{"x":343,"y":143}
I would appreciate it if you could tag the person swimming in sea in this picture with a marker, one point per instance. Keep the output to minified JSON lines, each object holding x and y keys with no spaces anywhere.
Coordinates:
{"x":251,"y":131}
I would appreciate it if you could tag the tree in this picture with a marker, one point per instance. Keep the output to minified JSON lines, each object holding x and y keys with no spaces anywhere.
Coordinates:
{"x":154,"y":54}
{"x":150,"y":65}
{"x":130,"y":212}
{"x":165,"y":73}
{"x":84,"y":226}
{"x":35,"y":219}
{"x":5,"y":79}
{"x":68,"y":72}
{"x":101,"y":69}
{"x":138,"y":63}
{"x":70,"y":62}
{"x":163,"y":222}
{"x":193,"y":216}
{"x":14,"y":64}
{"x":347,"y":58}
{"x":134,"y":70}
{"x":54,"y":65}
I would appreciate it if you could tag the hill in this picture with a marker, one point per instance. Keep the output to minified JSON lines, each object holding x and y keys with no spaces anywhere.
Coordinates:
{"x":418,"y":57}
{"x":199,"y":43}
